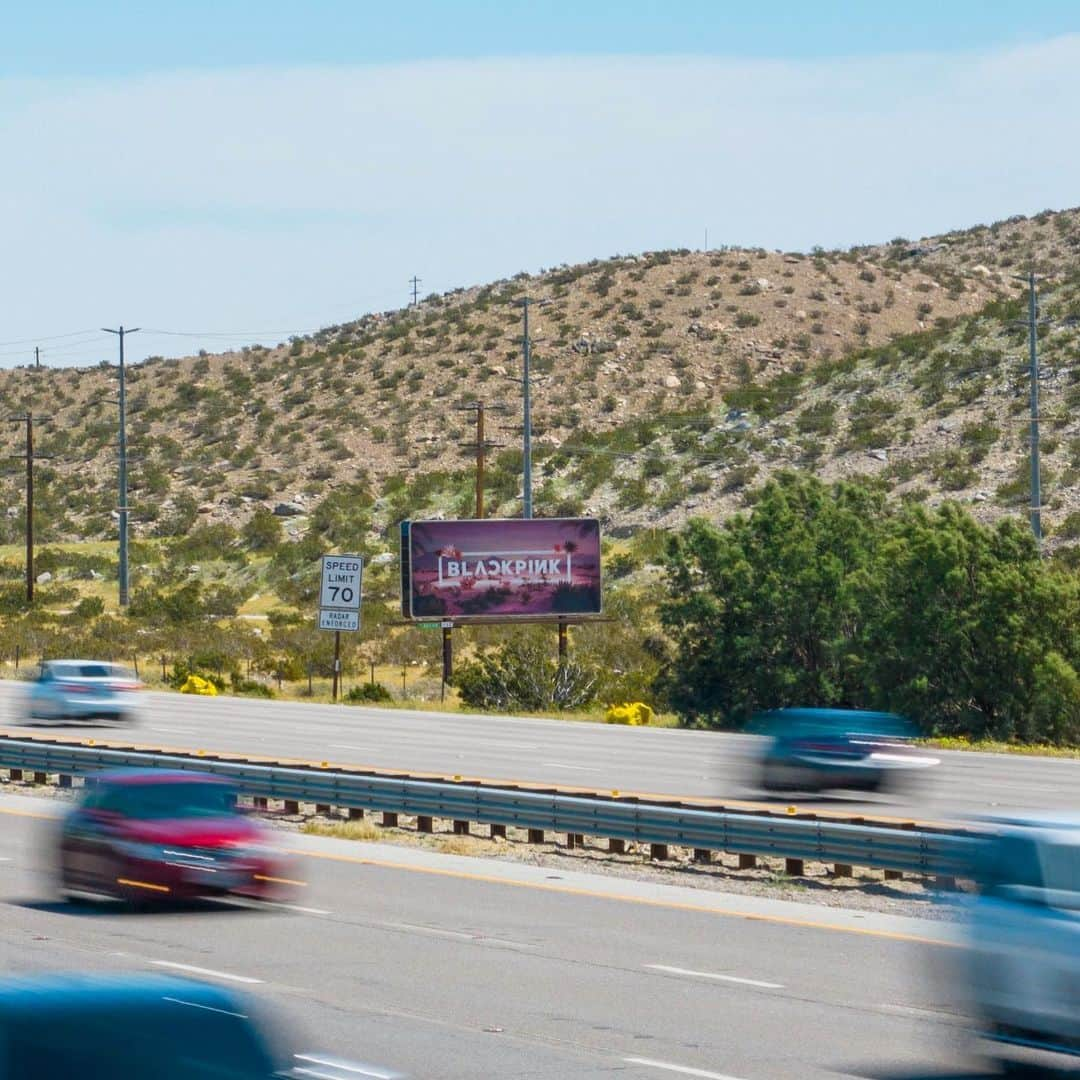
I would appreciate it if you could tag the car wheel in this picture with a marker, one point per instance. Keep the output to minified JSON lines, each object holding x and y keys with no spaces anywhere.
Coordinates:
{"x":778,"y":777}
{"x":65,"y":885}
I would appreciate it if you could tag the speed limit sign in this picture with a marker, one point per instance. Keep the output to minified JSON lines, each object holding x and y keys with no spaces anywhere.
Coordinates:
{"x":341,"y":579}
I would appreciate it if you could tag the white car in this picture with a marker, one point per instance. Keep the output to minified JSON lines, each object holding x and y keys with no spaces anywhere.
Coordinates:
{"x":1023,"y":965}
{"x":67,"y":690}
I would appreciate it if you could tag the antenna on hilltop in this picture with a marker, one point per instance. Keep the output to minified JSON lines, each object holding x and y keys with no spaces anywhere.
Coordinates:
{"x":414,"y":281}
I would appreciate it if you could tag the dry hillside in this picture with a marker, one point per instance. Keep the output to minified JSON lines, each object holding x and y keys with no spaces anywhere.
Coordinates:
{"x":666,"y":383}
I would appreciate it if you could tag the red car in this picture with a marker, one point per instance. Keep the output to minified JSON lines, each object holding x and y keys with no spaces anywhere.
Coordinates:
{"x":160,"y":835}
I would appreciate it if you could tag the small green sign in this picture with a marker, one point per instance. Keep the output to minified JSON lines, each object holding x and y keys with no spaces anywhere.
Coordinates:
{"x":429,"y":625}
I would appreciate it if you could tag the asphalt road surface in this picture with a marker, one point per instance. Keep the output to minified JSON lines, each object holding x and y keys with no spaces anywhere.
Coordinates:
{"x":562,"y":753}
{"x":453,"y":968}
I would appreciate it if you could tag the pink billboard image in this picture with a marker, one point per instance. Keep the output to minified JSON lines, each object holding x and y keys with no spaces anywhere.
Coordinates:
{"x":505,"y":567}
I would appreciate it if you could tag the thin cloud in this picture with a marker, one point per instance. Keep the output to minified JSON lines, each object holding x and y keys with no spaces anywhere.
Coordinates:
{"x":282,"y":197}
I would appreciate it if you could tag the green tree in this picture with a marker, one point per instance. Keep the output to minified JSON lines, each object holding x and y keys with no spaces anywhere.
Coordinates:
{"x":827,"y":597}
{"x":262,"y":531}
{"x":959,"y":619}
{"x":762,"y":610}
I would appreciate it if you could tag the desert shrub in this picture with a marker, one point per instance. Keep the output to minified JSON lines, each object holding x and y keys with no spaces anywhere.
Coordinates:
{"x":368,"y":692}
{"x":521,"y":674}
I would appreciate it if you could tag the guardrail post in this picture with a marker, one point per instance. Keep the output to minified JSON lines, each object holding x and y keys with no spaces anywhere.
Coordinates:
{"x":425,"y":823}
{"x":747,"y":861}
{"x":658,"y":852}
{"x":536,"y":836}
{"x":498,"y":832}
{"x":616,"y":846}
{"x":461,"y":828}
{"x":794,"y":868}
{"x":389,"y":819}
{"x":898,"y":875}
{"x":702,"y":855}
{"x":846,"y":870}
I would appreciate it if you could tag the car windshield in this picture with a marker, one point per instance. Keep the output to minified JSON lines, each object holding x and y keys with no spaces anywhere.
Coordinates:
{"x":196,"y":799}
{"x":91,"y":670}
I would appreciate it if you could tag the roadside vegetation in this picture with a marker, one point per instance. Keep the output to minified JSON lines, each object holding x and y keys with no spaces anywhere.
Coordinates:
{"x":811,"y":471}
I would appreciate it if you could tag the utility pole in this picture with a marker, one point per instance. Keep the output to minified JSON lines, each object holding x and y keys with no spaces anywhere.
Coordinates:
{"x":414,"y":281}
{"x":481,"y":445}
{"x":526,"y":401}
{"x":37,"y":357}
{"x":1033,"y":358}
{"x":29,"y":419}
{"x":122,"y":509}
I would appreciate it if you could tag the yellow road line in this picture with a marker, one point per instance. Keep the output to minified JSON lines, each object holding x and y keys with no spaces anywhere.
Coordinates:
{"x":279,"y":880}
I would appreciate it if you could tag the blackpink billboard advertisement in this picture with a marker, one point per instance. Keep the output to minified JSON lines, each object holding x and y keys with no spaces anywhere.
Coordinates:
{"x":509,"y":567}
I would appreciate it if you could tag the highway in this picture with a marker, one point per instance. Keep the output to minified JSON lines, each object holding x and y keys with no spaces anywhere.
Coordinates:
{"x":560,"y":753}
{"x":450,"y":967}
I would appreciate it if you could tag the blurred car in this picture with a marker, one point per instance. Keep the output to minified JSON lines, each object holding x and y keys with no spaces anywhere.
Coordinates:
{"x":836,"y":749}
{"x":1021,"y":972}
{"x":143,"y":1026}
{"x":83,"y":690}
{"x":155,"y":834}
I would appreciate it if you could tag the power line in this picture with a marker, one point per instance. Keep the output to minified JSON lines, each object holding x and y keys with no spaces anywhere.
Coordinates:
{"x":48,"y":337}
{"x":231,"y":333}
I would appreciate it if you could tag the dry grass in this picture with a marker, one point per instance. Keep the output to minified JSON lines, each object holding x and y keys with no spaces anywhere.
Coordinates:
{"x":344,"y":830}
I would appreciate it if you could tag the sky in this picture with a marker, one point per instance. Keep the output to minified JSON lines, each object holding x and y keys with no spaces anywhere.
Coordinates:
{"x":237,"y":172}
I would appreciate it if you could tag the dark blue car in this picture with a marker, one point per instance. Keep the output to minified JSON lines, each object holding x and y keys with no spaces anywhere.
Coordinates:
{"x":146,"y":1027}
{"x":836,"y":749}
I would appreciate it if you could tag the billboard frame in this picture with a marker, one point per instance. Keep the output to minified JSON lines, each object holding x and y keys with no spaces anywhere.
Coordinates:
{"x":564,"y":617}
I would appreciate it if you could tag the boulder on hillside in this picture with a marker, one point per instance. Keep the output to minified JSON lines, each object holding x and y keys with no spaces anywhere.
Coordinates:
{"x":288,"y":509}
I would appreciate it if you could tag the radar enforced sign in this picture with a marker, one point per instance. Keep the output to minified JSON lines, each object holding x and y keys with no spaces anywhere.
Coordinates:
{"x":340,"y":592}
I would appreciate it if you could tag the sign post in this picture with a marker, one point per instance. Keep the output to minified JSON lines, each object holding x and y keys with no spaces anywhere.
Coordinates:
{"x":447,"y":656}
{"x":340,"y":594}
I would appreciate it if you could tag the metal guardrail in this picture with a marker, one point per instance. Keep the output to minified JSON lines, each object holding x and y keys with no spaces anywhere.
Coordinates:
{"x":918,"y":851}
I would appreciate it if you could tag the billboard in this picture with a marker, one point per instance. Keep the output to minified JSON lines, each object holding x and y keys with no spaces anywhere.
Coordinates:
{"x":501,"y":567}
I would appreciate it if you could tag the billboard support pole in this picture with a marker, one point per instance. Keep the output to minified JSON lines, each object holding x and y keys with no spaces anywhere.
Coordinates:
{"x":337,"y":665}
{"x":563,"y":643}
{"x":447,"y":658}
